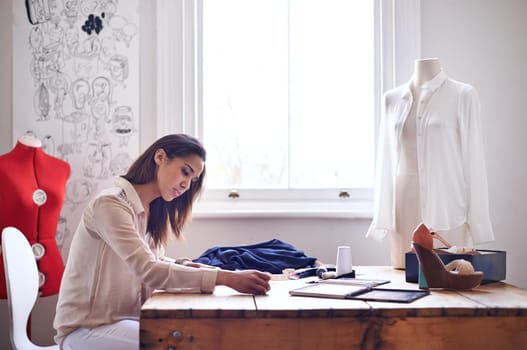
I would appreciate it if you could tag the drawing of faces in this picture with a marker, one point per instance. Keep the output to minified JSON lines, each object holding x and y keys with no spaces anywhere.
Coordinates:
{"x":59,"y":82}
{"x":123,"y":30}
{"x":101,"y":87}
{"x":62,"y":232}
{"x":35,"y":69}
{"x":46,"y":63}
{"x":75,"y":129}
{"x":108,"y":50}
{"x":120,"y":164}
{"x":100,"y":111}
{"x":55,"y":31}
{"x":100,"y":106}
{"x":89,"y":7}
{"x":109,"y":9}
{"x":129,"y":31}
{"x":48,"y":145}
{"x":119,"y":68}
{"x":36,"y":38}
{"x":122,"y":124}
{"x":38,"y":11}
{"x":90,"y":47}
{"x":80,"y":92}
{"x":65,"y":150}
{"x":55,"y":54}
{"x":78,"y":191}
{"x":86,"y":57}
{"x":72,"y":42}
{"x":97,"y":160}
{"x":59,"y":85}
{"x":71,"y":11}
{"x":41,"y":102}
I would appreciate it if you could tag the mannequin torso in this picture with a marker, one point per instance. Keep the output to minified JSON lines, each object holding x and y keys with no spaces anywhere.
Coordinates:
{"x":32,"y":193}
{"x":431,"y":163}
{"x":425,"y":70}
{"x":408,"y":211}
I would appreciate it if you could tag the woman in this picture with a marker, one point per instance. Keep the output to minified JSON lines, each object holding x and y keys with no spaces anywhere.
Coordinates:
{"x":117,"y":258}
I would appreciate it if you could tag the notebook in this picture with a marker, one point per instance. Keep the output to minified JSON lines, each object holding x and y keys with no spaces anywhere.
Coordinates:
{"x":358,"y":289}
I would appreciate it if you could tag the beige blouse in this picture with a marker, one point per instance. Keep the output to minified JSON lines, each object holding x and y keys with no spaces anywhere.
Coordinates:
{"x":111,"y":269}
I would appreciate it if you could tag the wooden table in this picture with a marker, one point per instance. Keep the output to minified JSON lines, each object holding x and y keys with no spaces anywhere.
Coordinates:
{"x":493,"y":316}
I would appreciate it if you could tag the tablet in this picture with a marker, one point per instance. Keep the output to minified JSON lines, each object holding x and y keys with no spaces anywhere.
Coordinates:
{"x":391,"y":295}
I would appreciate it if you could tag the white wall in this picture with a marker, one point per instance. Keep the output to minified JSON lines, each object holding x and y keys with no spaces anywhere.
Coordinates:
{"x":483,"y":43}
{"x":478,"y":41}
{"x":6,"y":76}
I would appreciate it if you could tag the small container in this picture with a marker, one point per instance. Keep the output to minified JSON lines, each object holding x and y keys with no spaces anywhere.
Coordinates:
{"x":344,"y":265}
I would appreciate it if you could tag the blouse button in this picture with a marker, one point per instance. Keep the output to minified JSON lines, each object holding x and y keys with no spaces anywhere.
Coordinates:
{"x":39,"y":197}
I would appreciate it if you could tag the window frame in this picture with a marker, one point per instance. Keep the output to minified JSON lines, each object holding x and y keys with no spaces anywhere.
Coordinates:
{"x":179,"y":106}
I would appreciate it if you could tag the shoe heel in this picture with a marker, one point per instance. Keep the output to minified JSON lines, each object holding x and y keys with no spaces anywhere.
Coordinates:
{"x":436,"y":274}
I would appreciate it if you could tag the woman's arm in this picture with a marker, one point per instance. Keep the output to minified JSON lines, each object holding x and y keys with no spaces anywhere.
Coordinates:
{"x":245,"y":281}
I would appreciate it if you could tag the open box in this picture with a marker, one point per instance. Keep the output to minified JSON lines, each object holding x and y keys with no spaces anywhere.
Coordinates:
{"x":491,"y":262}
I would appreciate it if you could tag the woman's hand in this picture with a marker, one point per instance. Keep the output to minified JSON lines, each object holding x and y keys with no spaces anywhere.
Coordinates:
{"x":245,"y":281}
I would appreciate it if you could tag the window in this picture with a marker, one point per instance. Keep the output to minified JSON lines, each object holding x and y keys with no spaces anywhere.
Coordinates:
{"x":285,"y":94}
{"x":288,"y":95}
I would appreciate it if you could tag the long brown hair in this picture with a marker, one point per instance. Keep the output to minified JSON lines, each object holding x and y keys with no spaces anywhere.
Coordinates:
{"x":177,"y":211}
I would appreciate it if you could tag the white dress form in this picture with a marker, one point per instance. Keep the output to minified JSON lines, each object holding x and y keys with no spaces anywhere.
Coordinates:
{"x":407,"y":198}
{"x":425,"y":70}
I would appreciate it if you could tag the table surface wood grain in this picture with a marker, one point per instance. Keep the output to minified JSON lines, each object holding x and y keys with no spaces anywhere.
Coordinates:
{"x":491,"y":316}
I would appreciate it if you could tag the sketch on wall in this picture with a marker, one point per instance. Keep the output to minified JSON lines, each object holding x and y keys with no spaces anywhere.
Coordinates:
{"x":76,"y":88}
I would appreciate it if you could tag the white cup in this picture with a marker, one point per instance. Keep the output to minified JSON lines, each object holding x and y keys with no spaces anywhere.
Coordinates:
{"x":344,"y":265}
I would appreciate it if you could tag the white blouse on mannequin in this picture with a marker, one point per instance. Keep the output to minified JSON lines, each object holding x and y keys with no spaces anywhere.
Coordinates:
{"x":437,"y":177}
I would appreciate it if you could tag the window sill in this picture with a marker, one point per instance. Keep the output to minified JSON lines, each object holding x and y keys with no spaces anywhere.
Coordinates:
{"x":282,"y":209}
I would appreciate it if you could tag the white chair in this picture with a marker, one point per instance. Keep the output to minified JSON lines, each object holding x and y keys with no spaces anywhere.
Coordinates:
{"x":21,"y":275}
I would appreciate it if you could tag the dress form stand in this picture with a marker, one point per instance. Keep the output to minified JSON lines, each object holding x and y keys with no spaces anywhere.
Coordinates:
{"x":32,"y":192}
{"x":407,"y":198}
{"x":32,"y":189}
{"x":430,"y":163}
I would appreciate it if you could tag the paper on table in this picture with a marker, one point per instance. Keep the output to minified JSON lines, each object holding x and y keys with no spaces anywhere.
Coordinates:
{"x":329,"y":290}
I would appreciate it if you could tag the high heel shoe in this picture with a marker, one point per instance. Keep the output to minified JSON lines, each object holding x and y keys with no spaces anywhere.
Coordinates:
{"x":423,"y":236}
{"x":437,"y":275}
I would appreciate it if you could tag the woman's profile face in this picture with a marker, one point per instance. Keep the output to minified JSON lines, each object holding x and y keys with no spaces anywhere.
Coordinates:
{"x":175,"y":176}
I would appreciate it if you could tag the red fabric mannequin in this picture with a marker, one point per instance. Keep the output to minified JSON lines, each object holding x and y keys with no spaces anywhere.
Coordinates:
{"x":32,"y":190}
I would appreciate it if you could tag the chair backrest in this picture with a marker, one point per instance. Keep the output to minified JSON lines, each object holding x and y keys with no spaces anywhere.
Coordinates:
{"x":21,"y":275}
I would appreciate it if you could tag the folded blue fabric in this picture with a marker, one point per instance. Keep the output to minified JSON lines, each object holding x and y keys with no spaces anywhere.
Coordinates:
{"x":271,"y":256}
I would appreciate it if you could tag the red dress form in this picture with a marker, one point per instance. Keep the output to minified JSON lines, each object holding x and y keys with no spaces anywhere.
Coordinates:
{"x":32,"y":190}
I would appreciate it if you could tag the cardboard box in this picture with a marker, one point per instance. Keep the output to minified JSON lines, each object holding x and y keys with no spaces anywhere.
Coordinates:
{"x":491,"y":262}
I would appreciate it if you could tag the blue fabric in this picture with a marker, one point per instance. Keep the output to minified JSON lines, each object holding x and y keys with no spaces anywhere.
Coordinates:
{"x":272,"y":256}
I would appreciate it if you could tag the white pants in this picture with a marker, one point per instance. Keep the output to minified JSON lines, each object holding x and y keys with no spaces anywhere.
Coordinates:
{"x":122,"y":335}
